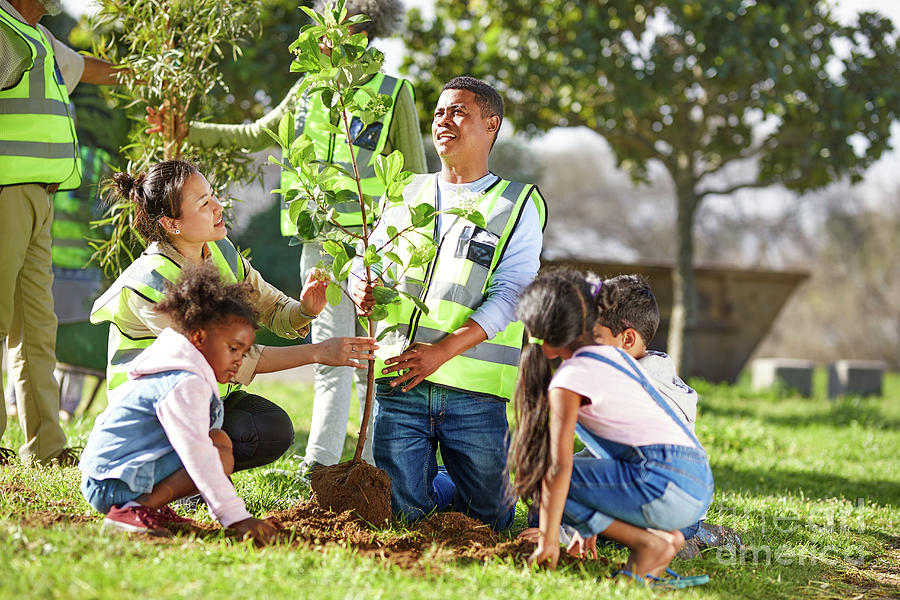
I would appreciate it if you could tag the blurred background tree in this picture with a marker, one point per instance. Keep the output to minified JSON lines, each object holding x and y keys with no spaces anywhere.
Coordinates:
{"x":702,"y":87}
{"x":174,"y":51}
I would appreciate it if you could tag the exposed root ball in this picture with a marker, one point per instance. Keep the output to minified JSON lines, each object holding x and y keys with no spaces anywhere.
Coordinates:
{"x":356,"y":486}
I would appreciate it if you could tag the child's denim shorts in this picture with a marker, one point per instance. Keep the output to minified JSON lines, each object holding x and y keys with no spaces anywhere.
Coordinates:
{"x":103,"y":494}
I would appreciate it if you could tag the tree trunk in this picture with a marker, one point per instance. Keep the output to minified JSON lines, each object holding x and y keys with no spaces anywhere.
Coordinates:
{"x":684,"y":301}
{"x":367,"y":408}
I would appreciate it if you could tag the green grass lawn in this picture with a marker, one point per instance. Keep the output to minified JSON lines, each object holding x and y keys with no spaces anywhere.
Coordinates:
{"x":812,"y":485}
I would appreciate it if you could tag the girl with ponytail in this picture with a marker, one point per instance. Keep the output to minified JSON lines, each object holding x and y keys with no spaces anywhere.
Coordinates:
{"x":648,"y":476}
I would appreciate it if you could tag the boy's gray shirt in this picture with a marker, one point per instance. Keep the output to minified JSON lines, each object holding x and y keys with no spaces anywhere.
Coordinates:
{"x":661,"y":369}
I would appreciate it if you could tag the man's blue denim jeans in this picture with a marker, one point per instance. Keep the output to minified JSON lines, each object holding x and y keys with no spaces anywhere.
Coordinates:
{"x":473,"y":436}
{"x":662,"y":486}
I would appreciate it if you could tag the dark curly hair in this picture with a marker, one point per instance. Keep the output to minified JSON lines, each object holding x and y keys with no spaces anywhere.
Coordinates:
{"x":201,"y":299}
{"x":626,"y":301}
{"x":154,"y":194}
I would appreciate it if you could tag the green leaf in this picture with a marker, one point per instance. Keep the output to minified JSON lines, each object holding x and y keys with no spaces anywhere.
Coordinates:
{"x":380,"y":170}
{"x":393,"y":257}
{"x":333,"y":248}
{"x":342,"y":196}
{"x":385,"y":295}
{"x":388,"y":330}
{"x":333,"y":293}
{"x":340,"y":261}
{"x":286,"y":129}
{"x":395,"y":165}
{"x":306,"y":226}
{"x":422,"y":255}
{"x":391,"y":232}
{"x":379,"y":313}
{"x":421,"y":305}
{"x":274,"y":160}
{"x":371,"y":256}
{"x":469,"y":214}
{"x":272,"y":135}
{"x":421,"y":214}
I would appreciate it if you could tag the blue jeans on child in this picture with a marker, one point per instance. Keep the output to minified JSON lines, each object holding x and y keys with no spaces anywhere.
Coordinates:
{"x":103,"y":494}
{"x":473,"y":436}
{"x":661,"y":486}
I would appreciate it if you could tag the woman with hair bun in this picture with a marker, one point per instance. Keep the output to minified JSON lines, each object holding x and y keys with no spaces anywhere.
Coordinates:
{"x":177,"y":213}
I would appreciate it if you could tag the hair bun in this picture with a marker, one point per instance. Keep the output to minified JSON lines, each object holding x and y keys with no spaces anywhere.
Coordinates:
{"x":124,"y":183}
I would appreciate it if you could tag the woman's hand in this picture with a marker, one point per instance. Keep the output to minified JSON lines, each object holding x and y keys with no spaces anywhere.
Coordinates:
{"x":312,"y":296}
{"x":579,"y":547}
{"x":546,"y":555}
{"x":262,"y":531}
{"x":346,"y":351}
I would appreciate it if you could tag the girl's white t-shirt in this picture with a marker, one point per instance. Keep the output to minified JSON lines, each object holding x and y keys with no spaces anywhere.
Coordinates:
{"x":619,"y":409}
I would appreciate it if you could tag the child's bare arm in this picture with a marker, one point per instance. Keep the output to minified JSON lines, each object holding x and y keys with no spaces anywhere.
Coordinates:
{"x":555,"y":487}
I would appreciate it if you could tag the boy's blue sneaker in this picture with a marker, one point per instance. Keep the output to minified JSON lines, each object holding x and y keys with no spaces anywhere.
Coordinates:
{"x":443,"y":488}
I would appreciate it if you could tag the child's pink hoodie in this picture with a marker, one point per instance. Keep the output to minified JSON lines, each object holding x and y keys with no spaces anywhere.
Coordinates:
{"x":184,"y":416}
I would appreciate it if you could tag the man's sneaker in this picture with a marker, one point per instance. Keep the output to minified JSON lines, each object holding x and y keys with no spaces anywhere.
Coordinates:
{"x":169,"y":516}
{"x":301,"y":474}
{"x":137,"y":519}
{"x":304,"y":471}
{"x":7,"y":456}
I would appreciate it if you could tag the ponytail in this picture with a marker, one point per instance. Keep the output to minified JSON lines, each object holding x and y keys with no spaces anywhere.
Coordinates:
{"x":530,"y":450}
{"x":558,"y":309}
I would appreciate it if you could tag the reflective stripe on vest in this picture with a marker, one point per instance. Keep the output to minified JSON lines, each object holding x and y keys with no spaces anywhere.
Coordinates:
{"x":456,"y":283}
{"x":147,"y":277}
{"x":370,"y":143}
{"x":38,"y":143}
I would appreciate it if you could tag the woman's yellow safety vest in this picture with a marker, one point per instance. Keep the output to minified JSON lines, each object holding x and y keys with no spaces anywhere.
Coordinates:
{"x":147,"y":277}
{"x":368,"y":143}
{"x":37,"y":134}
{"x":455,"y":285}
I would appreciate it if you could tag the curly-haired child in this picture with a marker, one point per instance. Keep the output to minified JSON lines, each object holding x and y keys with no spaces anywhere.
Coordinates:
{"x":160,"y":437}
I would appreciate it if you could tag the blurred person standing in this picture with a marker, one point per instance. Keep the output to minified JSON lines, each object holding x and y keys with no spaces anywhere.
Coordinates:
{"x":38,"y":156}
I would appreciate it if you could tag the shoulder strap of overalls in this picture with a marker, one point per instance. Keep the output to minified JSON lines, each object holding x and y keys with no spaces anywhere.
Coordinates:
{"x":635,"y":373}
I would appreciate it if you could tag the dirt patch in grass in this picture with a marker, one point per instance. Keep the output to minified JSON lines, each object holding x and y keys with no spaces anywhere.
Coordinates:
{"x":441,"y":538}
{"x":356,"y":486}
{"x":422,"y":548}
{"x":49,"y":518}
{"x":878,"y":579}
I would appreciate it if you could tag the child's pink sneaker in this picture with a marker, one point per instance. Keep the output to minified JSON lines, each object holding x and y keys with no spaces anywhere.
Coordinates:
{"x":137,"y":519}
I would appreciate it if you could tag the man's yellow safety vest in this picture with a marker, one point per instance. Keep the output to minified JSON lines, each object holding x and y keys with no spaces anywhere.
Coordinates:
{"x":38,"y":143}
{"x":455,"y":285}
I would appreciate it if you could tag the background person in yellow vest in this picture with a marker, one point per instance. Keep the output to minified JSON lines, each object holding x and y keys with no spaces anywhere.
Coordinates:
{"x":443,"y":379}
{"x":73,"y":211}
{"x":398,"y":130}
{"x":38,"y":155}
{"x":175,"y":209}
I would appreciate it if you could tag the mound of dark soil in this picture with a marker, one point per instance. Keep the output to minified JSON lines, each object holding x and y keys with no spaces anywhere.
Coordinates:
{"x":355,"y":486}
